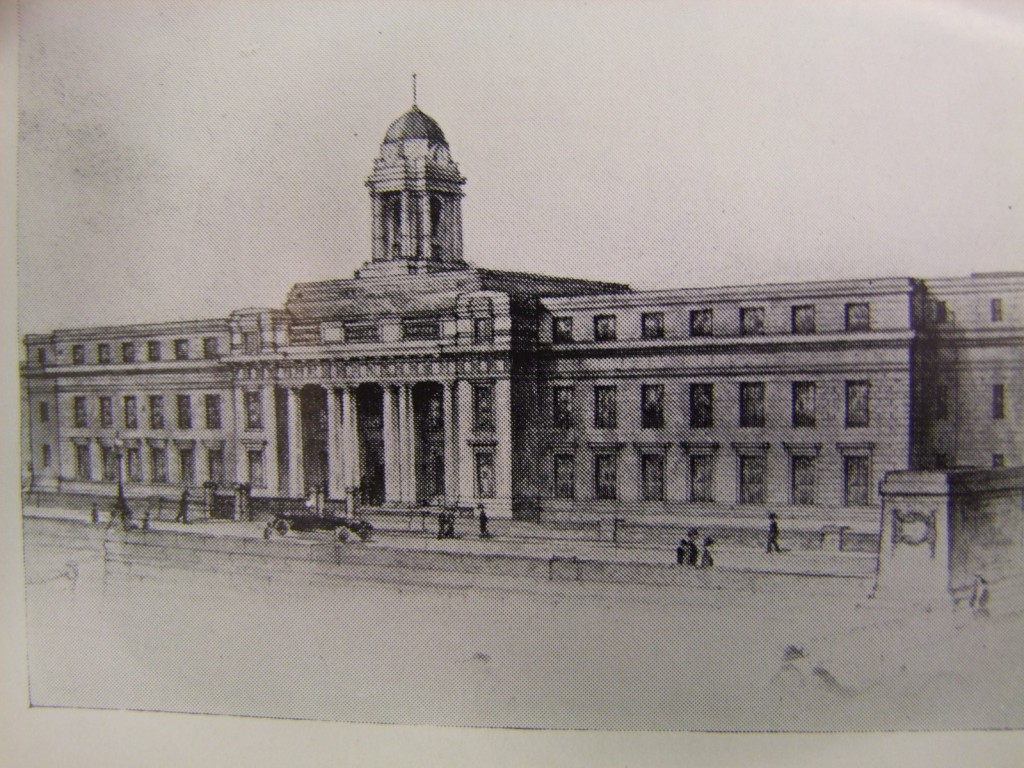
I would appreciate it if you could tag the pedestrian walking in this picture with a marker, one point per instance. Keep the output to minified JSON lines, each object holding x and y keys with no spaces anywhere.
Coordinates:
{"x":182,"y":508}
{"x":451,"y":525}
{"x":95,"y":513}
{"x":683,"y":551}
{"x":773,"y":533}
{"x":694,"y":553}
{"x":442,"y":524}
{"x":484,"y":533}
{"x":706,"y":560}
{"x":979,"y":596}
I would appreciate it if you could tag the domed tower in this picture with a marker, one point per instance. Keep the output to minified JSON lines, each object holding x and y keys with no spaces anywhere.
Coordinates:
{"x":416,"y":194}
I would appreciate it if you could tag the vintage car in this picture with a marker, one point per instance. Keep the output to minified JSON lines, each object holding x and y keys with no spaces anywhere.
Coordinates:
{"x":345,"y":526}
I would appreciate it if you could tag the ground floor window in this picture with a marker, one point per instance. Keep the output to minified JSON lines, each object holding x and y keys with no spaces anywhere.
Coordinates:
{"x":565,"y":476}
{"x":485,"y":475}
{"x":47,"y":456}
{"x":109,"y":462}
{"x":605,"y":479}
{"x":158,"y":457}
{"x":701,"y":478}
{"x":752,"y":472}
{"x":803,"y":480}
{"x":188,"y":465}
{"x":133,"y":458}
{"x":652,"y":475}
{"x":856,"y":471}
{"x":83,"y":462}
{"x":215,"y":465}
{"x":255,"y":462}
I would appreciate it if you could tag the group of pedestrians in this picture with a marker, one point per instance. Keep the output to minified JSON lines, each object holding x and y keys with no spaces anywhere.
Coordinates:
{"x":695,"y":555}
{"x":446,"y":523}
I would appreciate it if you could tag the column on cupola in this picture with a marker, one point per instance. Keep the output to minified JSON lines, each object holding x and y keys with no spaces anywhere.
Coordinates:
{"x":296,"y":481}
{"x":409,"y":230}
{"x":377,"y":236}
{"x":392,"y":444}
{"x":424,"y":214}
{"x":456,"y":235}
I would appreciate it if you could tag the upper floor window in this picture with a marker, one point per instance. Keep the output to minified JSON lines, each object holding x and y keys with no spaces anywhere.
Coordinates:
{"x":128,"y":352}
{"x":562,"y":406}
{"x":804,"y":396}
{"x":604,"y":328}
{"x":41,"y":356}
{"x":803,"y":319}
{"x":605,"y":407}
{"x":752,"y":404}
{"x":858,"y":403}
{"x":421,"y":330}
{"x":184,"y":412}
{"x":131,"y":413}
{"x":153,"y":349}
{"x":253,"y":404}
{"x":701,"y":405}
{"x":156,"y":411}
{"x":561,"y":329}
{"x":652,"y":325}
{"x":483,"y":330}
{"x":80,"y":413}
{"x":44,"y":412}
{"x":181,"y":349}
{"x":251,"y":341}
{"x":858,"y":317}
{"x":652,"y":406}
{"x":998,"y":401}
{"x":483,"y":406}
{"x":213,"y":411}
{"x":752,"y":321}
{"x":78,"y":354}
{"x":605,"y":476}
{"x":996,"y":310}
{"x":103,"y":354}
{"x":106,"y":411}
{"x":701,"y":322}
{"x":211,"y":349}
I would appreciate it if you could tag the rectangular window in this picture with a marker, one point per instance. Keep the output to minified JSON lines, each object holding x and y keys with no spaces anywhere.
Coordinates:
{"x":211,"y":349}
{"x":80,"y":415}
{"x":605,"y":407}
{"x":752,"y":404}
{"x":44,"y":412}
{"x":604,"y":328}
{"x":215,"y":465}
{"x":128,"y":352}
{"x":702,"y":406}
{"x":803,"y":480}
{"x":106,"y":411}
{"x":937,"y":312}
{"x":803,"y":319}
{"x":184,"y":411}
{"x":255,"y":466}
{"x":159,"y":464}
{"x":213,"y":411}
{"x":752,"y":321}
{"x":109,"y":458}
{"x":702,"y":322}
{"x":153,"y":351}
{"x":47,"y":456}
{"x":652,"y":325}
{"x":652,"y":406}
{"x":253,"y":404}
{"x":251,"y":341}
{"x":103,"y":354}
{"x":605,"y":480}
{"x":483,"y":407}
{"x":702,"y":478}
{"x":858,"y":403}
{"x":565,"y":476}
{"x":483,"y":330}
{"x":181,"y":349}
{"x":858,"y":317}
{"x":998,"y":460}
{"x":41,"y":356}
{"x":562,"y":400}
{"x":652,"y":477}
{"x":752,"y":472}
{"x":156,"y":411}
{"x":187,"y":462}
{"x":996,"y":310}
{"x":78,"y":354}
{"x":133,"y":464}
{"x":561,"y":329}
{"x":998,"y":401}
{"x":941,"y":402}
{"x":485,"y":475}
{"x":804,"y":397}
{"x":855,"y":469}
{"x":131,"y":413}
{"x":83,"y":462}
{"x":421,"y":330}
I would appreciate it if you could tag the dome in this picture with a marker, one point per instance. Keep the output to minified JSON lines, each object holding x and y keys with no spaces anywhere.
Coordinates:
{"x":414,"y":124}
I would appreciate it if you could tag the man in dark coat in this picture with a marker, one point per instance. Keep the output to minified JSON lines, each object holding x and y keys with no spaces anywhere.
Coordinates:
{"x":182,"y":508}
{"x":694,"y":549}
{"x":484,"y":534}
{"x":773,"y":533}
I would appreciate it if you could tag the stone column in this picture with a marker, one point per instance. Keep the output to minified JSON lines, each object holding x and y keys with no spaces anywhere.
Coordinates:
{"x":466,"y":462}
{"x":503,"y":449}
{"x":451,"y":447}
{"x":408,"y":427}
{"x":350,"y":415}
{"x":269,"y":405}
{"x":392,"y":466}
{"x":296,"y":481}
{"x":424,"y":214}
{"x":335,"y":445}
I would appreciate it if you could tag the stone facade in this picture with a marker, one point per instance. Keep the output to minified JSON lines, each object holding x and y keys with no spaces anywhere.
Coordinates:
{"x":424,"y":380}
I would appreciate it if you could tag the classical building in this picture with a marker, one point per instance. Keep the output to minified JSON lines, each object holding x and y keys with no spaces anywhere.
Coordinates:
{"x":425,"y":379}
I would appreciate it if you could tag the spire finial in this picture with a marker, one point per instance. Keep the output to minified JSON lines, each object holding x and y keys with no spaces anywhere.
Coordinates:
{"x":414,"y":89}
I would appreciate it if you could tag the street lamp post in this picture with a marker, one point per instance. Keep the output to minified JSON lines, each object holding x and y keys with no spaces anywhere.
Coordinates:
{"x":124,"y":512}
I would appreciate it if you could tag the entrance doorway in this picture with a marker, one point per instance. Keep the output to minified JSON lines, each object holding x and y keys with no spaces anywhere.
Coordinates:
{"x":314,"y":438}
{"x":370,"y":428}
{"x":429,"y":428}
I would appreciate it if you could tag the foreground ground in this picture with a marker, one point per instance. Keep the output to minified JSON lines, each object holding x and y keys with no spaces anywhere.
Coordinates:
{"x":786,"y":655}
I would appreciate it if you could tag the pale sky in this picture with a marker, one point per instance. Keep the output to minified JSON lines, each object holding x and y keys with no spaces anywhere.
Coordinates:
{"x":183,"y":159}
